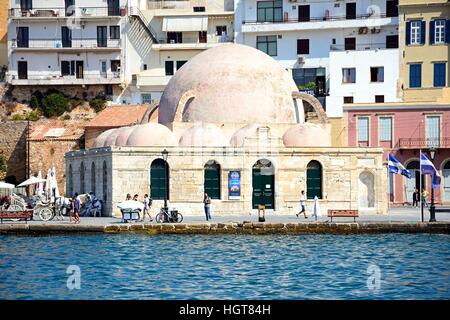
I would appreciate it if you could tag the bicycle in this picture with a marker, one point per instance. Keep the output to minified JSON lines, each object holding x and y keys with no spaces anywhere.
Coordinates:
{"x":169,"y":216}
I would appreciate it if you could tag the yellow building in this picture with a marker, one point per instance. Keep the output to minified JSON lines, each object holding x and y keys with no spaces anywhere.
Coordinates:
{"x":424,"y":36}
{"x":3,"y":32}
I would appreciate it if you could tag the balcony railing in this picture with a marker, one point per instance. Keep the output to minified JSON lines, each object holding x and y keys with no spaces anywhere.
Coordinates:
{"x":359,"y":47}
{"x":209,"y":40}
{"x":63,"y":12}
{"x":417,"y":143}
{"x":319,"y":19}
{"x":110,"y":77}
{"x":85,"y":43}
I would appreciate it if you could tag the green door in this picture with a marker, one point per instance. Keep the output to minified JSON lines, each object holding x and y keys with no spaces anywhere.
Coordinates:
{"x":263,"y":182}
{"x":314,"y":180}
{"x":158,"y":180}
{"x":212,"y":180}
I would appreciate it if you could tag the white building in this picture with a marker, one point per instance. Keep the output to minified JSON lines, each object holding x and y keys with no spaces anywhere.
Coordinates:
{"x":318,"y":39}
{"x":66,"y":43}
{"x":163,"y":35}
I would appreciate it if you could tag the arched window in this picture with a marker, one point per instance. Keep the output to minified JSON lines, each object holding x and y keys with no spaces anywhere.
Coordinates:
{"x":159,"y":179}
{"x":314,"y":180}
{"x":70,"y":182}
{"x":105,"y":182}
{"x":415,"y":181}
{"x":93,"y":178}
{"x":82,"y":185}
{"x":212,"y":179}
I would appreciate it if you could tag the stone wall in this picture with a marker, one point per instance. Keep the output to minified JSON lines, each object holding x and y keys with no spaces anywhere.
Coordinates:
{"x":13,"y":135}
{"x":45,"y":154}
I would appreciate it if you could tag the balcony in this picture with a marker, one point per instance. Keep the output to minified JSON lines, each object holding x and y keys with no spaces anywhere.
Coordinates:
{"x":144,"y":80}
{"x":360,"y":47}
{"x":85,"y":44}
{"x":62,"y":12}
{"x":52,"y":79}
{"x":423,"y":143}
{"x":315,"y":23}
{"x":191,"y":43}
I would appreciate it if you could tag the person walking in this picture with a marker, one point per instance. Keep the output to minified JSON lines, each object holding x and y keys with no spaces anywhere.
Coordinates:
{"x":207,"y":203}
{"x":147,"y":205}
{"x":302,"y":204}
{"x":416,"y":198}
{"x":425,"y":194}
{"x":76,"y":207}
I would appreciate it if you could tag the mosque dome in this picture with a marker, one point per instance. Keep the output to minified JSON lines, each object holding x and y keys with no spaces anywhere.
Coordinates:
{"x":123,"y":135}
{"x":238,"y":138}
{"x":307,"y":135}
{"x":232,"y":83}
{"x":100,"y":140}
{"x":204,"y":135}
{"x":151,"y":134}
{"x":111,"y":139}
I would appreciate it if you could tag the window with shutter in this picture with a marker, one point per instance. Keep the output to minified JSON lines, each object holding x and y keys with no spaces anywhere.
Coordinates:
{"x":159,"y":179}
{"x":363,"y":129}
{"x":415,"y":75}
{"x":302,"y":46}
{"x":212,"y":179}
{"x":314,"y":180}
{"x":439,"y":75}
{"x":385,"y":128}
{"x":433,"y":128}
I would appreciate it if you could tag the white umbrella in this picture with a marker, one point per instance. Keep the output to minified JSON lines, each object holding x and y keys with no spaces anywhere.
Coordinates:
{"x":131,"y":204}
{"x":39,"y":186}
{"x":55,"y":183}
{"x":48,"y":184}
{"x":4,"y":185}
{"x":32,"y":180}
{"x":316,"y":209}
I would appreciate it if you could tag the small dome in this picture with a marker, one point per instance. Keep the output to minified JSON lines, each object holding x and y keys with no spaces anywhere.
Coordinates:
{"x":111,"y":139}
{"x":204,"y":135}
{"x":238,"y":138}
{"x":307,"y":135}
{"x":100,"y":140}
{"x":151,"y":134}
{"x":123,"y":135}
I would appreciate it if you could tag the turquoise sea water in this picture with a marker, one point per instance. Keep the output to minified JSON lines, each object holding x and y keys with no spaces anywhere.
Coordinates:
{"x":391,"y":266}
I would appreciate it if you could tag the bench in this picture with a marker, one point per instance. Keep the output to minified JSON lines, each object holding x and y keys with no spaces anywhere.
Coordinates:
{"x":440,"y":209}
{"x":130,"y":215}
{"x":343,"y":214}
{"x":26,"y":215}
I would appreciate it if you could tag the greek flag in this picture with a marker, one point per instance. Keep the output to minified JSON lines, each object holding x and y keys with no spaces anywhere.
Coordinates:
{"x":427,"y":167}
{"x":396,"y":167}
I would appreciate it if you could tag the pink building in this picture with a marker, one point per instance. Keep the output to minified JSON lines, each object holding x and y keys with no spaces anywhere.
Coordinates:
{"x":404,"y":129}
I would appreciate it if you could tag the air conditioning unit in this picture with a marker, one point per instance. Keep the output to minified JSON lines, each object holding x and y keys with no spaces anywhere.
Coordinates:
{"x":375,"y":30}
{"x":300,"y":60}
{"x":292,"y":0}
{"x":363,"y":30}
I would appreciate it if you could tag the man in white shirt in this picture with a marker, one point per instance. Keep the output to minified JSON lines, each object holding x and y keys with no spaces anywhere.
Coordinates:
{"x":302,"y":205}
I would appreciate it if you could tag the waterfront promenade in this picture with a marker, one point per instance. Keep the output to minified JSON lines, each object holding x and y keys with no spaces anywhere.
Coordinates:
{"x":398,"y":220}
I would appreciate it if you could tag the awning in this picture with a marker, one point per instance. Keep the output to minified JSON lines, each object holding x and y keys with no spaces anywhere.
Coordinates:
{"x":179,"y":24}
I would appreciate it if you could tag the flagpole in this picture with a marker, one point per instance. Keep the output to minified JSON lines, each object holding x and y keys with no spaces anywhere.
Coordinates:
{"x":389,"y":190}
{"x":420,"y":183}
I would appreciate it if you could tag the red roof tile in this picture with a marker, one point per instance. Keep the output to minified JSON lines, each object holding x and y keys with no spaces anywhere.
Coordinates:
{"x":119,"y":116}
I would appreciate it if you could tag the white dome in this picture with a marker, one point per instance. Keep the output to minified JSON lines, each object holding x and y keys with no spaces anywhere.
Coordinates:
{"x":151,"y":134}
{"x":123,"y":135}
{"x":307,"y":135}
{"x":231,"y":83}
{"x":204,"y":135}
{"x":238,"y":138}
{"x":111,"y":139}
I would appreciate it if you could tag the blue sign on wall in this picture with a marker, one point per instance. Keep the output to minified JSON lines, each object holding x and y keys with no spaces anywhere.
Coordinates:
{"x":234,"y":185}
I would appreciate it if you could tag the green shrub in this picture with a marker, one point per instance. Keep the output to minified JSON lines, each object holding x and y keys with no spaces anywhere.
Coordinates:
{"x":36,"y":100}
{"x":55,"y":104}
{"x":18,"y":117}
{"x":98,"y":104}
{"x":34,"y":115}
{"x":311,"y":85}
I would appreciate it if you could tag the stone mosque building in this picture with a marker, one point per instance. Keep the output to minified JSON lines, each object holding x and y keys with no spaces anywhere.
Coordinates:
{"x":233,"y":123}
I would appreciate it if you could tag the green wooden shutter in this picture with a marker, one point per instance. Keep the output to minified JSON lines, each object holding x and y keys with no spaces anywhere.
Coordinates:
{"x":314,"y":181}
{"x":158,"y":180}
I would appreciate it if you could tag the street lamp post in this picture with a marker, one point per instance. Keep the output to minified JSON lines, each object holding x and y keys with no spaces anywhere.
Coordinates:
{"x":165,"y":154}
{"x":432,"y":206}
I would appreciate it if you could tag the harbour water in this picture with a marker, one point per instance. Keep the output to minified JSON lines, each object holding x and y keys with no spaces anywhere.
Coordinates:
{"x":382,"y":266}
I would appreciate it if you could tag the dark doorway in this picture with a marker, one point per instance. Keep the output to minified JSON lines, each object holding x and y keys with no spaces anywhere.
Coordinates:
{"x":113,"y":8}
{"x":159,"y":179}
{"x":314,"y":180}
{"x":202,"y":36}
{"x":350,"y":43}
{"x":174,"y":37}
{"x":350,"y":10}
{"x":303,"y":13}
{"x":66,"y":37}
{"x":391,"y":8}
{"x":263,"y":182}
{"x":79,"y":65}
{"x":69,"y":7}
{"x":22,"y":68}
{"x":23,"y":40}
{"x":102,"y":36}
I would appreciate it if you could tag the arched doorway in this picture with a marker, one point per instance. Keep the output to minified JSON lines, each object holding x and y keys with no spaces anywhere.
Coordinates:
{"x":314,"y":180}
{"x":446,"y":178}
{"x":212,"y":179}
{"x":159,"y":179}
{"x":414,"y":183}
{"x":263,"y":182}
{"x":93,"y":180}
{"x":366,"y":190}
